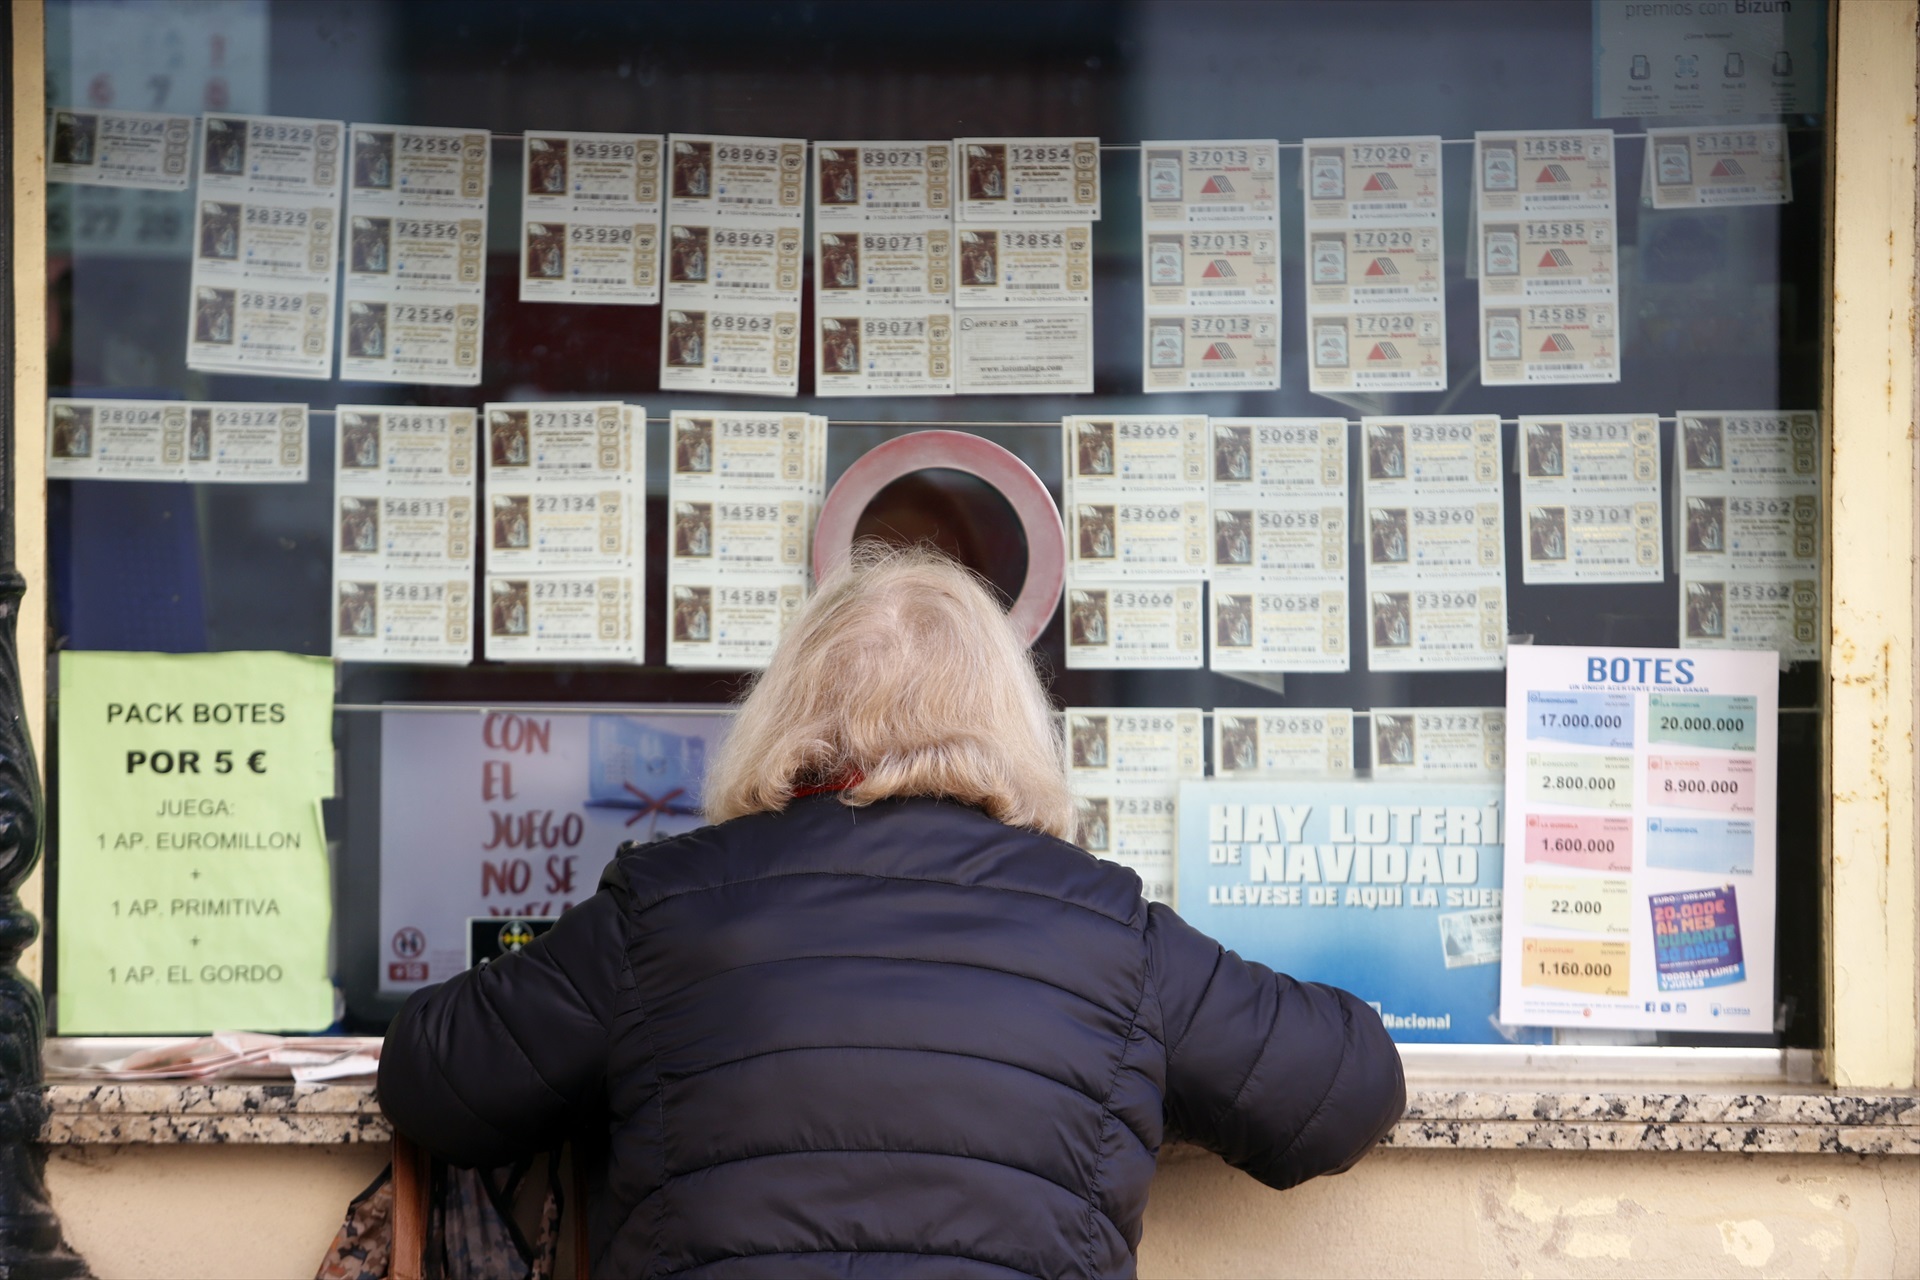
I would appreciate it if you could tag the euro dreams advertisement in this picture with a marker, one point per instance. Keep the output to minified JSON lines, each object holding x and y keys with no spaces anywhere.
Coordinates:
{"x":1389,"y":889}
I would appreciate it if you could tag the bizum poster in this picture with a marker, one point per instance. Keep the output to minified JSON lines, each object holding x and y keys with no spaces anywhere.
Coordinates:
{"x":514,"y":814}
{"x":1389,"y":889}
{"x":1640,"y":840}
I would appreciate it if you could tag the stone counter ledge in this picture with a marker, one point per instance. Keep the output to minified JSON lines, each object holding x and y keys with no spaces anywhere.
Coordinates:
{"x":1457,"y":1118}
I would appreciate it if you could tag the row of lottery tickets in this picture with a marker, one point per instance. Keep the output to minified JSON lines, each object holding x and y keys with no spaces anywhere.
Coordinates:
{"x":940,"y":268}
{"x":563,"y":515}
{"x":1156,"y":508}
{"x":1125,"y":764}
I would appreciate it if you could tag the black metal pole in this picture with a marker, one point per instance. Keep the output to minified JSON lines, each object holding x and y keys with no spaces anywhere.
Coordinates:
{"x":31,"y":1244}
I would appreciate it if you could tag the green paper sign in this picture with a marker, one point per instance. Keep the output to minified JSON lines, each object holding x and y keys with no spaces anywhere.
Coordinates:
{"x":194,"y":887}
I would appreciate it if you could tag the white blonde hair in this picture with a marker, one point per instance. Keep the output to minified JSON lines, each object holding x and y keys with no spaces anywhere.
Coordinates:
{"x":903,"y":671}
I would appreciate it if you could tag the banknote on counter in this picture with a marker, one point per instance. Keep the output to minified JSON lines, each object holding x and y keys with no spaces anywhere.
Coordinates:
{"x":1279,"y":626}
{"x":1136,"y":826}
{"x":1146,"y":624}
{"x":137,"y":149}
{"x":1590,"y":497}
{"x":201,"y":442}
{"x":415,"y":285}
{"x":747,"y":350}
{"x":1439,"y":740}
{"x":590,"y":217}
{"x":1028,"y":179}
{"x":1251,"y":742}
{"x":1037,"y":352}
{"x":1400,"y":349}
{"x":1133,"y":744}
{"x":1703,"y":168}
{"x":1213,"y":351}
{"x":1204,"y":182}
{"x":266,"y":227}
{"x":1354,"y":181}
{"x":896,"y":351}
{"x":562,"y":617}
{"x":856,"y":183}
{"x":1022,"y":266}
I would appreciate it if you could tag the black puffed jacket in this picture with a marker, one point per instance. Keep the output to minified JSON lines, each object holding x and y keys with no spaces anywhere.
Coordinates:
{"x":901,"y":1040}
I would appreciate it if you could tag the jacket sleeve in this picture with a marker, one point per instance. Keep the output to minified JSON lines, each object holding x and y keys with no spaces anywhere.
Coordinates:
{"x":496,"y":1063}
{"x":1285,"y":1080}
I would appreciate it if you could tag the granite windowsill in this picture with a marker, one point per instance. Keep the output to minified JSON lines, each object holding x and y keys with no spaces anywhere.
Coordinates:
{"x":1460,"y":1118}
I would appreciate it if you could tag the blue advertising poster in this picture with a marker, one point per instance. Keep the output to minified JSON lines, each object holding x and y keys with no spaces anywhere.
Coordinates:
{"x":1388,"y":889}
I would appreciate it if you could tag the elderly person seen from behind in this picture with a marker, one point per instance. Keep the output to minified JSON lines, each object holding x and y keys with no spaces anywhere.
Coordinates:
{"x":882,"y":1018}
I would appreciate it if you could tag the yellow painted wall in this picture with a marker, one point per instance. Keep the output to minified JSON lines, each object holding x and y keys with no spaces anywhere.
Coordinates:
{"x":257,"y":1212}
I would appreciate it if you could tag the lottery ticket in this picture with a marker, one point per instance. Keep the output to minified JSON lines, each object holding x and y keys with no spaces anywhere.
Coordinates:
{"x":1544,"y":172}
{"x":1215,"y":266}
{"x":377,"y":530}
{"x":1279,"y":458}
{"x":740,"y":534}
{"x":1350,"y":181}
{"x":1590,"y":492}
{"x":725,"y":623}
{"x":1147,"y":624}
{"x":403,"y":619}
{"x":1728,"y":452}
{"x":712,"y":176}
{"x":538,"y":443}
{"x":1558,"y":342}
{"x":1439,"y":542}
{"x":1747,"y":530}
{"x":559,"y":527}
{"x":1401,"y":349}
{"x":1390,"y":266}
{"x":748,"y":350}
{"x":883,"y":352}
{"x":243,"y":156}
{"x":856,"y":183}
{"x":1195,"y":183}
{"x":196,"y":441}
{"x":1024,"y":352}
{"x":1699,"y":168}
{"x":1135,"y":454}
{"x":1278,"y":626}
{"x":1126,"y":539}
{"x":1213,"y":351}
{"x":1443,"y":740}
{"x":1017,"y":266}
{"x":1135,"y":825}
{"x":1375,"y":264}
{"x":1251,"y":742}
{"x":1028,"y":179}
{"x":724,"y":263}
{"x":1470,"y":937}
{"x":1282,"y":541}
{"x":590,"y":217}
{"x":903,"y":263}
{"x":266,"y":226}
{"x":1414,"y":458}
{"x":561,"y":617}
{"x":415,"y":285}
{"x":394,"y":445}
{"x":1437,"y":628}
{"x":1133,"y":744}
{"x":1548,"y":265}
{"x":765,"y":453}
{"x":1551,"y":257}
{"x":122,"y":149}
